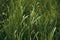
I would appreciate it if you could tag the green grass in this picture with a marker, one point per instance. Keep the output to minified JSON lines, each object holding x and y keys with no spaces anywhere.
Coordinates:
{"x":30,"y":20}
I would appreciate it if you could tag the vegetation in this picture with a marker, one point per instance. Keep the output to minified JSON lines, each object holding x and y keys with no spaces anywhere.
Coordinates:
{"x":29,"y":20}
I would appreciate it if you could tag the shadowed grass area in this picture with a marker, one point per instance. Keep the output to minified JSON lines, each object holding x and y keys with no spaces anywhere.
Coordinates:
{"x":30,"y":20}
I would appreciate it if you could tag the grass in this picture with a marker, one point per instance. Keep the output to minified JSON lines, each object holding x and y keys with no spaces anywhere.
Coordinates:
{"x":30,"y":20}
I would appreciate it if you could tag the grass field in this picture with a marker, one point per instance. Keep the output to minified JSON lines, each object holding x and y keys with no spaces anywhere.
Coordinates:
{"x":29,"y":20}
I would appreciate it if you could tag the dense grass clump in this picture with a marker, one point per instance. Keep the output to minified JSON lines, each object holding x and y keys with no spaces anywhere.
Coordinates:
{"x":30,"y":20}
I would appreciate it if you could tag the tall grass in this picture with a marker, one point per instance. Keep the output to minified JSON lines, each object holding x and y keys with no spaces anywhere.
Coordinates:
{"x":30,"y":20}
